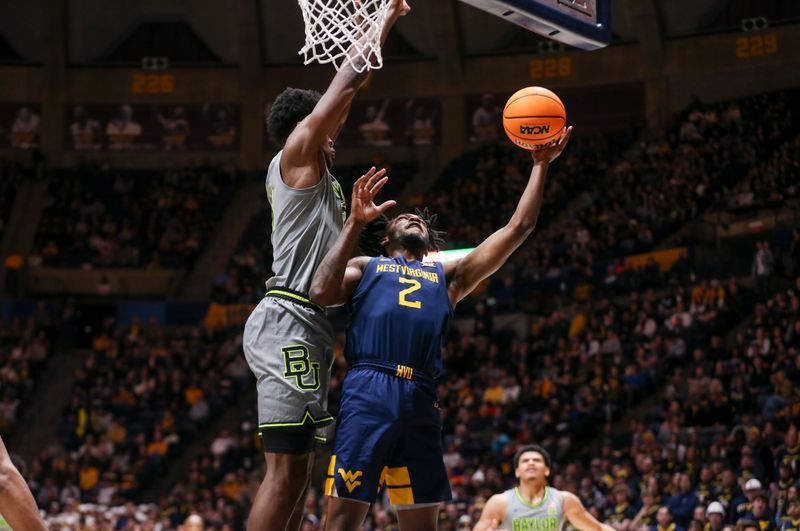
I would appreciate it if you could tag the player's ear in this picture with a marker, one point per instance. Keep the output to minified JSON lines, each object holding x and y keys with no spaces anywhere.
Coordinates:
{"x":385,"y":241}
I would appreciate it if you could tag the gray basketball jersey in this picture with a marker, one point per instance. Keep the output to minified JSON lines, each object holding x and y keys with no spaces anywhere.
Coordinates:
{"x":547,"y":515}
{"x":305,"y":224}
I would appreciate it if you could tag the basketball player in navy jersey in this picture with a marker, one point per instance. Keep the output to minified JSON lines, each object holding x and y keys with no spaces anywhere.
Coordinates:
{"x":389,"y":428}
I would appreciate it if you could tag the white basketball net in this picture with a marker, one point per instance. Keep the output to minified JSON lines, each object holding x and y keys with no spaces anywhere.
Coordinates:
{"x":344,"y":32}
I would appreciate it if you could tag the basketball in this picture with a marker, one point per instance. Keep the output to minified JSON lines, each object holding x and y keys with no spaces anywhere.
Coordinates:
{"x":533,"y":117}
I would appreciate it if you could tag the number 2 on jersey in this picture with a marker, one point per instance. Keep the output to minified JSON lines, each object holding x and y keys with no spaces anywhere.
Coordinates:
{"x":415,"y":285}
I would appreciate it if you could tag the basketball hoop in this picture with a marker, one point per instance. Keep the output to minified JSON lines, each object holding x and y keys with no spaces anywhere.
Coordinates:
{"x":344,"y":32}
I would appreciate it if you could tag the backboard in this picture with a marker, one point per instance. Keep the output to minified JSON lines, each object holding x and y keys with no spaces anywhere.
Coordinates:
{"x":581,"y":23}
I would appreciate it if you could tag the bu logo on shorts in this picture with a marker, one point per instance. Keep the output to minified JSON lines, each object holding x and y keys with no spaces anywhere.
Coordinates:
{"x":351,"y":480}
{"x":297,"y":364}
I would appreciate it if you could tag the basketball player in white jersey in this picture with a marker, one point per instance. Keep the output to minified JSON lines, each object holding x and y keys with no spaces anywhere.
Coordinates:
{"x":17,"y":507}
{"x":532,"y":505}
{"x":288,"y":342}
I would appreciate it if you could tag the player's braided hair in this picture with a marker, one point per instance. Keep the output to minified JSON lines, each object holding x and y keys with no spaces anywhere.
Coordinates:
{"x":436,"y":237}
{"x":371,"y":237}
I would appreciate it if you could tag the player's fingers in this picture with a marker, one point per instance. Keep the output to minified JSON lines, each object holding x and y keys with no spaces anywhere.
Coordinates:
{"x":378,"y":185}
{"x":374,"y":177}
{"x":386,"y":205}
{"x":362,"y":183}
{"x":565,"y":136}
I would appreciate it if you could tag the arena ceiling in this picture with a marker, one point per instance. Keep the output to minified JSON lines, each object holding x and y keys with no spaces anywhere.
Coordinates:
{"x":97,"y":28}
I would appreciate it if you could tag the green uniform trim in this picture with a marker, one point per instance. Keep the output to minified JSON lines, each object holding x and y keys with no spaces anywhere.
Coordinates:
{"x":293,"y":296}
{"x":527,"y":503}
{"x":306,"y":418}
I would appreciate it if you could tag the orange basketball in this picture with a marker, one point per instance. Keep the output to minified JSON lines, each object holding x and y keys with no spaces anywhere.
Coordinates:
{"x":534,"y":117}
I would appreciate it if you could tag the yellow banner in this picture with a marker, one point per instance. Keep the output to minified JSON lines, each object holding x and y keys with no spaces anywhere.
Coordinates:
{"x":664,"y":258}
{"x":220,"y":315}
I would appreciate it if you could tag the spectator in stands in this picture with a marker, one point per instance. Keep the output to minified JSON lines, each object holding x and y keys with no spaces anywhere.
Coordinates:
{"x":85,"y":131}
{"x":486,"y":121}
{"x":791,"y":520}
{"x":715,"y":514}
{"x":122,"y":131}
{"x":759,"y":512}
{"x":664,"y":521}
{"x":763,"y":266}
{"x":682,"y":504}
{"x":193,"y":523}
{"x":25,"y":129}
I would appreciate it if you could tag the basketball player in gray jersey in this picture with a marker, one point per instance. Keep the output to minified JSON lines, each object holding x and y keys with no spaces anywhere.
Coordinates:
{"x":532,"y":505}
{"x":288,"y":342}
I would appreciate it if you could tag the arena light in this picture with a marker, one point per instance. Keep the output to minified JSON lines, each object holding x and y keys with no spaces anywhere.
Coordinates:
{"x":448,"y":255}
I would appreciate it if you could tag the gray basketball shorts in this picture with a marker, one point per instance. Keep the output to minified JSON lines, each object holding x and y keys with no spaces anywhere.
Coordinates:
{"x":289,"y":347}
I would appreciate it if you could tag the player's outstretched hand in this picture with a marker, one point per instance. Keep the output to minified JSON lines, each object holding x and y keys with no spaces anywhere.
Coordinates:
{"x":398,"y":8}
{"x":363,"y":209}
{"x":551,"y":152}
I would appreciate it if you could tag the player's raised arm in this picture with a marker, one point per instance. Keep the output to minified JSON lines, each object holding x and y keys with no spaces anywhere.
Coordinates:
{"x":465,"y":274}
{"x":16,"y":501}
{"x":337,"y":276}
{"x":493,"y":513}
{"x":579,"y":517}
{"x":326,"y":120}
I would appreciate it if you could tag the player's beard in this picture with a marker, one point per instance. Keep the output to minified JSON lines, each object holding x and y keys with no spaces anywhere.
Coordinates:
{"x":414,"y":242}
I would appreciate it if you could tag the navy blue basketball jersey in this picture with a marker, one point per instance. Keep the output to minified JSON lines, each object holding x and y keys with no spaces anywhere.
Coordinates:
{"x":400,"y":314}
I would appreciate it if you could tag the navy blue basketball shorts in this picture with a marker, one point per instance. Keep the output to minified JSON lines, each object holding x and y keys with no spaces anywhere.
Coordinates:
{"x":389,"y":433}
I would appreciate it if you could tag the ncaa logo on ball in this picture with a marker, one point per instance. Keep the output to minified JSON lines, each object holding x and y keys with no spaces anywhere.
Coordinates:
{"x":534,"y":129}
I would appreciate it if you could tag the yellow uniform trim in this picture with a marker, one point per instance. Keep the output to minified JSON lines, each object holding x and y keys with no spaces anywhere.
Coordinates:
{"x":398,"y":485}
{"x":329,"y":480}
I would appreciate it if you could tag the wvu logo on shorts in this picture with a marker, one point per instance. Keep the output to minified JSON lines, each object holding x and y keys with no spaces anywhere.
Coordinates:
{"x":404,"y":372}
{"x":351,"y":480}
{"x":297,"y":364}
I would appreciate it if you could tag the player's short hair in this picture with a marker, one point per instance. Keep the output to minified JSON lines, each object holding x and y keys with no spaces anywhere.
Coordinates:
{"x":531,"y":448}
{"x":290,"y":107}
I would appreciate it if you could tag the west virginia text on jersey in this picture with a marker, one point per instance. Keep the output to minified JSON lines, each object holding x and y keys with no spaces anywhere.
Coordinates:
{"x":400,"y":315}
